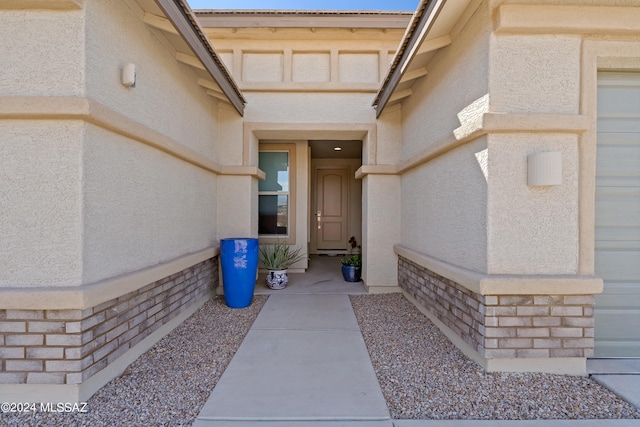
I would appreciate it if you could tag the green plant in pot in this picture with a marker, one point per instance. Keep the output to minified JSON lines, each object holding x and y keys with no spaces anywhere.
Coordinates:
{"x":277,"y":258}
{"x":352,"y":268}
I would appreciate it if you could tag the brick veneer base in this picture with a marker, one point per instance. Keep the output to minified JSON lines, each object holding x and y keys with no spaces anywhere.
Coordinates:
{"x":70,"y":346}
{"x":504,"y":326}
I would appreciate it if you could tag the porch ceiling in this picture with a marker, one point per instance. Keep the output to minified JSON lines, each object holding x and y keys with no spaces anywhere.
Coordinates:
{"x":324,"y":149}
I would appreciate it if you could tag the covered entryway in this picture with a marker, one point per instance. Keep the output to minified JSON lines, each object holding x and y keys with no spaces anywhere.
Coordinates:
{"x":336,"y":196}
{"x":617,"y":215}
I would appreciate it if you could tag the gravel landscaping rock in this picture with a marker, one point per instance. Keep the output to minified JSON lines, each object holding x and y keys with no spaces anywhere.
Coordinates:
{"x":169,"y":384}
{"x":424,"y":376}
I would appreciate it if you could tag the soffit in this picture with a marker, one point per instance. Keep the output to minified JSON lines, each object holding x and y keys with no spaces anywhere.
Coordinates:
{"x":430,"y":30}
{"x":239,"y":34}
{"x":191,"y":46}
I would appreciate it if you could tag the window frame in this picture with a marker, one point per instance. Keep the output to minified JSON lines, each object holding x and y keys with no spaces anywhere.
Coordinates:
{"x":290,"y":237}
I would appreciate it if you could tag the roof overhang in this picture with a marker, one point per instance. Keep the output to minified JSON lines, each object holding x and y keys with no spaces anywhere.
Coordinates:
{"x":180,"y":25}
{"x":428,"y":32}
{"x":302,"y":19}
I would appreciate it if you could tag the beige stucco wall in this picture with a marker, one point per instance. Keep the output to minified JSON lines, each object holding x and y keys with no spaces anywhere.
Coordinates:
{"x":444,"y":212}
{"x":141,"y":206}
{"x":458,"y":77}
{"x":40,"y":161}
{"x":536,"y":73}
{"x":569,"y":43}
{"x":389,"y":137}
{"x":531,"y":229}
{"x":120,"y":188}
{"x":309,"y":107}
{"x":381,"y":211}
{"x":44,"y":53}
{"x":444,"y":200}
{"x":41,"y":200}
{"x":530,"y":83}
{"x":165,"y":94}
{"x":237,"y":199}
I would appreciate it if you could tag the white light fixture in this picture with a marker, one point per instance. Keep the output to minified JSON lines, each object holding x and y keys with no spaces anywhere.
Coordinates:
{"x":337,"y":148}
{"x":129,"y":75}
{"x":544,"y":168}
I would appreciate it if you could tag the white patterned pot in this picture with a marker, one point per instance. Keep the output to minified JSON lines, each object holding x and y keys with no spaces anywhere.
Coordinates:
{"x":277,"y":279}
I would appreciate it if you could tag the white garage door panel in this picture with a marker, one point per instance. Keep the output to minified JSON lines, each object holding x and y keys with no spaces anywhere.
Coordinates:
{"x":615,"y":325}
{"x":612,"y":300}
{"x":617,"y":216}
{"x":619,"y":160}
{"x":623,"y":127}
{"x":618,"y":212}
{"x":608,"y":238}
{"x":618,"y":266}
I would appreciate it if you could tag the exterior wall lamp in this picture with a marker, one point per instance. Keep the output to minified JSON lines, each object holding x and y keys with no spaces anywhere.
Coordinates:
{"x":129,"y":75}
{"x":544,"y":168}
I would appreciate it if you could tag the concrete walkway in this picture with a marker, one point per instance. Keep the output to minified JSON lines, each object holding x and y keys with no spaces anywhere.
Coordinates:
{"x":304,"y":359}
{"x":304,"y":364}
{"x":620,"y":375}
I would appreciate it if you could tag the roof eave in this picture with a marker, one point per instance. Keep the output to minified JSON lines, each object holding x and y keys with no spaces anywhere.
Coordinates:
{"x":423,"y":20}
{"x":302,"y":19}
{"x":182,"y":18}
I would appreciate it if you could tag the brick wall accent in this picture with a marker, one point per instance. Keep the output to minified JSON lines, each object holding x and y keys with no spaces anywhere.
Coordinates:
{"x":70,"y":346}
{"x":504,"y":326}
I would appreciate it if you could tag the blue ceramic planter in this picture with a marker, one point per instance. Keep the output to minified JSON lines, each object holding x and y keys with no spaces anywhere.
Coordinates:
{"x":351,"y":273}
{"x":239,"y":259}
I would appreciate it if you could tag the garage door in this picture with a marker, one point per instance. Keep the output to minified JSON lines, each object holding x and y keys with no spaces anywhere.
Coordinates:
{"x":617,"y":234}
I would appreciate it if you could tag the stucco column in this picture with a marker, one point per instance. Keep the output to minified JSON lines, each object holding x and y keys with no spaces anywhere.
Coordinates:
{"x":380,"y":230}
{"x":237,"y":206}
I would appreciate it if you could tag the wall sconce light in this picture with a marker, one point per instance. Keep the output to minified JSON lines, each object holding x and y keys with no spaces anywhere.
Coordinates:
{"x":544,"y":168}
{"x":129,"y":75}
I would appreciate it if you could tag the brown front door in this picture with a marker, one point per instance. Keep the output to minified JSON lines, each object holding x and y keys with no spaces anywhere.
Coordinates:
{"x":332,"y":213}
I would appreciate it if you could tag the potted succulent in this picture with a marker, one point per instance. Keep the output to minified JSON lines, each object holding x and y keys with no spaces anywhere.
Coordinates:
{"x":352,"y":268}
{"x":277,"y":258}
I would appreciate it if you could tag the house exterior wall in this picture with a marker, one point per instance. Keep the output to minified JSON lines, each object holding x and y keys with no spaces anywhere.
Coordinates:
{"x":116,"y":168}
{"x":452,"y":96}
{"x":304,"y":84}
{"x":142,"y":228}
{"x":54,"y":41}
{"x":41,"y":219}
{"x":115,"y":193}
{"x":556,"y":331}
{"x":161,"y":81}
{"x":534,"y":68}
{"x":532,"y":230}
{"x":72,"y":346}
{"x":42,"y":222}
